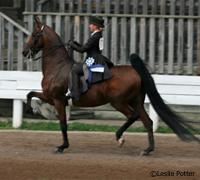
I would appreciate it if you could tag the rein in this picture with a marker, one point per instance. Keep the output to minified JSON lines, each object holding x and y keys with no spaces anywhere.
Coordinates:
{"x":33,"y":50}
{"x":56,"y":47}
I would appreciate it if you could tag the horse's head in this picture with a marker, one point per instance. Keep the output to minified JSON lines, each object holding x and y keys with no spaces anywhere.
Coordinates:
{"x":35,"y":42}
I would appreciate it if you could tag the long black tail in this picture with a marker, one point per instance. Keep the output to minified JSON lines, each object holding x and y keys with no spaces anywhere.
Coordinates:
{"x":176,"y":123}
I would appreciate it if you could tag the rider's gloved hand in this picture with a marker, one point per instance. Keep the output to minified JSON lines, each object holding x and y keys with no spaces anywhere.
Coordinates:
{"x":70,"y":44}
{"x":75,"y":45}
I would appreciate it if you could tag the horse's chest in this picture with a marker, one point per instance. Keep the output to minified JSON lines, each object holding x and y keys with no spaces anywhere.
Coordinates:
{"x":51,"y":89}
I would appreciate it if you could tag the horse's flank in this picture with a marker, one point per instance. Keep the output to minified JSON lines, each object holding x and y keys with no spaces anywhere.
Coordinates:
{"x":114,"y":89}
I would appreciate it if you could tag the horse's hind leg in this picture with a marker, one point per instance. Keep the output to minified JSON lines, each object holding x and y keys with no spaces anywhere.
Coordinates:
{"x":138,"y":105}
{"x":131,"y":116}
{"x":126,"y":125}
{"x":148,"y":123}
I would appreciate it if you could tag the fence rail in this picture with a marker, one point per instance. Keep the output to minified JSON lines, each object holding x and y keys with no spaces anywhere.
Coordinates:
{"x":168,"y":44}
{"x":156,"y":7}
{"x":12,"y":38}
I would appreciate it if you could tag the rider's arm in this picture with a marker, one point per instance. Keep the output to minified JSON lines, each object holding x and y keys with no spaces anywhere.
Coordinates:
{"x":88,"y":45}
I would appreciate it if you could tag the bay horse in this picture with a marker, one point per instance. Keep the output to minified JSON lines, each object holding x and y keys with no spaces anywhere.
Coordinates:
{"x":125,"y":91}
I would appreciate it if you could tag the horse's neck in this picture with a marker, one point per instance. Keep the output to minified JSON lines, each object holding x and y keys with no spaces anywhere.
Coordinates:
{"x":56,"y":59}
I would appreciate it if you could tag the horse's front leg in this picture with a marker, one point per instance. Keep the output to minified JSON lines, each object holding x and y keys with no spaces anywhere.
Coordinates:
{"x":60,"y":107}
{"x":30,"y":95}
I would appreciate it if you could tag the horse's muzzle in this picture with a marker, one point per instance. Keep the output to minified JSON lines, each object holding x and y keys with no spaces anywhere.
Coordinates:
{"x":26,"y":53}
{"x":29,"y":54}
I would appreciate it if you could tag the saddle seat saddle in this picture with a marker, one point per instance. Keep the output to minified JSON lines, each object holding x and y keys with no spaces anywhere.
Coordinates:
{"x":85,"y":79}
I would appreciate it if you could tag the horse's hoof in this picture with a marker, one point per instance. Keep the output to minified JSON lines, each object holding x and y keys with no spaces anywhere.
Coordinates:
{"x":120,"y":142}
{"x":28,"y":109}
{"x":144,"y":153}
{"x":57,"y":151}
{"x":36,"y":111}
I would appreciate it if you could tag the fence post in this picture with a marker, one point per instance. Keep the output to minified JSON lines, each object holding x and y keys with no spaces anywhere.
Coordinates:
{"x":19,"y":51}
{"x":30,"y":5}
{"x":190,"y":39}
{"x":152,"y":44}
{"x":77,"y":35}
{"x":61,"y":6}
{"x":123,"y":41}
{"x":180,"y":47}
{"x":143,"y":35}
{"x":154,"y":117}
{"x":17,"y":113}
{"x":171,"y":35}
{"x":162,"y":37}
{"x":198,"y":44}
{"x":10,"y":46}
{"x":98,"y":6}
{"x":133,"y":29}
{"x":107,"y":42}
{"x":30,"y":29}
{"x":133,"y":35}
{"x":114,"y":40}
{"x":143,"y":50}
{"x":17,"y":3}
{"x":68,"y":112}
{"x":1,"y":42}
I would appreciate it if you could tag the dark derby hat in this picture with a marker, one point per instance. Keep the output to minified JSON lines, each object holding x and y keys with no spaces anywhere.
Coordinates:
{"x":97,"y":21}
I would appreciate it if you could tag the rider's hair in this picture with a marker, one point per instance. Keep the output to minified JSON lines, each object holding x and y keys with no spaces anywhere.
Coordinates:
{"x":100,"y":28}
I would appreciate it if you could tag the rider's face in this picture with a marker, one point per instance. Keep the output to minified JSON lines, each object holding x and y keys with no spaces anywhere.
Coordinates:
{"x":93,"y":27}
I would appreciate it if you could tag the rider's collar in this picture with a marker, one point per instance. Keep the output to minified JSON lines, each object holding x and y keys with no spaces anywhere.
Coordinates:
{"x":94,"y":33}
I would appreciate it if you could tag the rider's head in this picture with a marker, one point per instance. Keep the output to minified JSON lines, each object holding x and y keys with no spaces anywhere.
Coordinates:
{"x":96,"y":23}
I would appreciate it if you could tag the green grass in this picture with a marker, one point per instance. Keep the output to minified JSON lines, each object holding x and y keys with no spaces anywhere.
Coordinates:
{"x":51,"y":126}
{"x":6,"y":125}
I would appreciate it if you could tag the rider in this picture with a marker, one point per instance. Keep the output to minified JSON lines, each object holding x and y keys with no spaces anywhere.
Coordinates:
{"x":93,"y":47}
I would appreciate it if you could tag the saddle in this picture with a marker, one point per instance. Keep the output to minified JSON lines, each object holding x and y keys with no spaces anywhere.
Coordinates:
{"x":86,"y":78}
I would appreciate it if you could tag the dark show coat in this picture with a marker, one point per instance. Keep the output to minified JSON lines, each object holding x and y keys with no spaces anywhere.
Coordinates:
{"x":91,"y":47}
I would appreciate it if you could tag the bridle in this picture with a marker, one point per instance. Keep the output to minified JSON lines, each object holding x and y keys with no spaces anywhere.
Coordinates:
{"x":33,"y":49}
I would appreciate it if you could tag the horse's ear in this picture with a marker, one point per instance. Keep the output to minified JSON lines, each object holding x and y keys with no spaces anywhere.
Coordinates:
{"x":38,"y":22}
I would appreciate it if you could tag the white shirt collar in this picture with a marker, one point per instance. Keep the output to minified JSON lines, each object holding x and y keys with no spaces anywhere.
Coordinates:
{"x":94,"y":32}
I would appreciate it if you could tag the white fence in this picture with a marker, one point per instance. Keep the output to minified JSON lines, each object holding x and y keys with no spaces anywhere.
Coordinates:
{"x":177,"y":90}
{"x":16,"y":85}
{"x":12,"y":41}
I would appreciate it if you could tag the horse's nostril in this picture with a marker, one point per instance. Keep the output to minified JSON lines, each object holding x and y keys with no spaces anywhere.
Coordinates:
{"x":24,"y":53}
